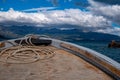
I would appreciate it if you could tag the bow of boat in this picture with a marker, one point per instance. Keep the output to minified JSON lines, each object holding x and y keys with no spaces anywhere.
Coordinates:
{"x":33,"y":58}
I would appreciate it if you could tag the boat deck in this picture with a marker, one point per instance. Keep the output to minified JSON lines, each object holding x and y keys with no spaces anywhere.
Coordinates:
{"x":61,"y":66}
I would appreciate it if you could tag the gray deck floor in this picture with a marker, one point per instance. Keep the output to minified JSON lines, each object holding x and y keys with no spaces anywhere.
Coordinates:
{"x":62,"y":66}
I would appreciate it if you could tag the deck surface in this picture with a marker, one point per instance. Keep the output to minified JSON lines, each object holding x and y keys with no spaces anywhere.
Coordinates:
{"x":62,"y":66}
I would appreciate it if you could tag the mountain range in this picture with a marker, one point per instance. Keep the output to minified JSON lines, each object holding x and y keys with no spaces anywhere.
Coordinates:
{"x":67,"y":34}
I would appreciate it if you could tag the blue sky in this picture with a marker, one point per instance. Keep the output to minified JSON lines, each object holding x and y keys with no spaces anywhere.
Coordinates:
{"x":24,"y":4}
{"x":88,"y":15}
{"x":28,"y":4}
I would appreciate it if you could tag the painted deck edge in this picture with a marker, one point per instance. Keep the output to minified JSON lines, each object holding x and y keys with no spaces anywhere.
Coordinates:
{"x":99,"y":60}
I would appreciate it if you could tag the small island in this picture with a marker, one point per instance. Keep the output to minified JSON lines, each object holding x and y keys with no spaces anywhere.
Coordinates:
{"x":114,"y":44}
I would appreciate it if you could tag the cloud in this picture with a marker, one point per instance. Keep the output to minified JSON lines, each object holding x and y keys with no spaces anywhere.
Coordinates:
{"x":39,"y":9}
{"x":54,"y":2}
{"x":84,"y":20}
{"x":114,"y":30}
{"x":111,"y":12}
{"x":66,"y":28}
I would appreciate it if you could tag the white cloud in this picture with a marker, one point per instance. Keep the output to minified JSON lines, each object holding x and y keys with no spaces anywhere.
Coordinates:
{"x":67,"y":16}
{"x":114,"y":30}
{"x":95,"y":3}
{"x":83,"y":20}
{"x":66,"y":28}
{"x":111,"y":12}
{"x":40,"y":9}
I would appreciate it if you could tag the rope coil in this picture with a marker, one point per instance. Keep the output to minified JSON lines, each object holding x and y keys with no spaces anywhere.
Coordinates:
{"x":25,"y":54}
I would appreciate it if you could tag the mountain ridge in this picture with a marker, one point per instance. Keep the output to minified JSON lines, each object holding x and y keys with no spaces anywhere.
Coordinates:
{"x":69,"y":34}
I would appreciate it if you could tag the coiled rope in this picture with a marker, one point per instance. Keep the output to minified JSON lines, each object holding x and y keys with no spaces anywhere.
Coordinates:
{"x":25,"y":54}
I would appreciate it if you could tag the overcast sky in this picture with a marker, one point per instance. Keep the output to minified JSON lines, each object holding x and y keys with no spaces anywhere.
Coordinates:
{"x":94,"y":15}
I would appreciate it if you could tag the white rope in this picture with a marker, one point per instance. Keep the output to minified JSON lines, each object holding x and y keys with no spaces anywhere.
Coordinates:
{"x":30,"y":42}
{"x":25,"y":54}
{"x":26,"y":41}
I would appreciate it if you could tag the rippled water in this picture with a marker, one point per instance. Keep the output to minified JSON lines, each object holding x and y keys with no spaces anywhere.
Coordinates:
{"x":101,"y":47}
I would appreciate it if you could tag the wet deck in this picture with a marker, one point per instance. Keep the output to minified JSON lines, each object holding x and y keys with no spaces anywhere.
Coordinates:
{"x":62,"y":66}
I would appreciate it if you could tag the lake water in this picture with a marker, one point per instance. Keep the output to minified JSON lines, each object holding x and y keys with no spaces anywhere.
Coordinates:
{"x":102,"y":48}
